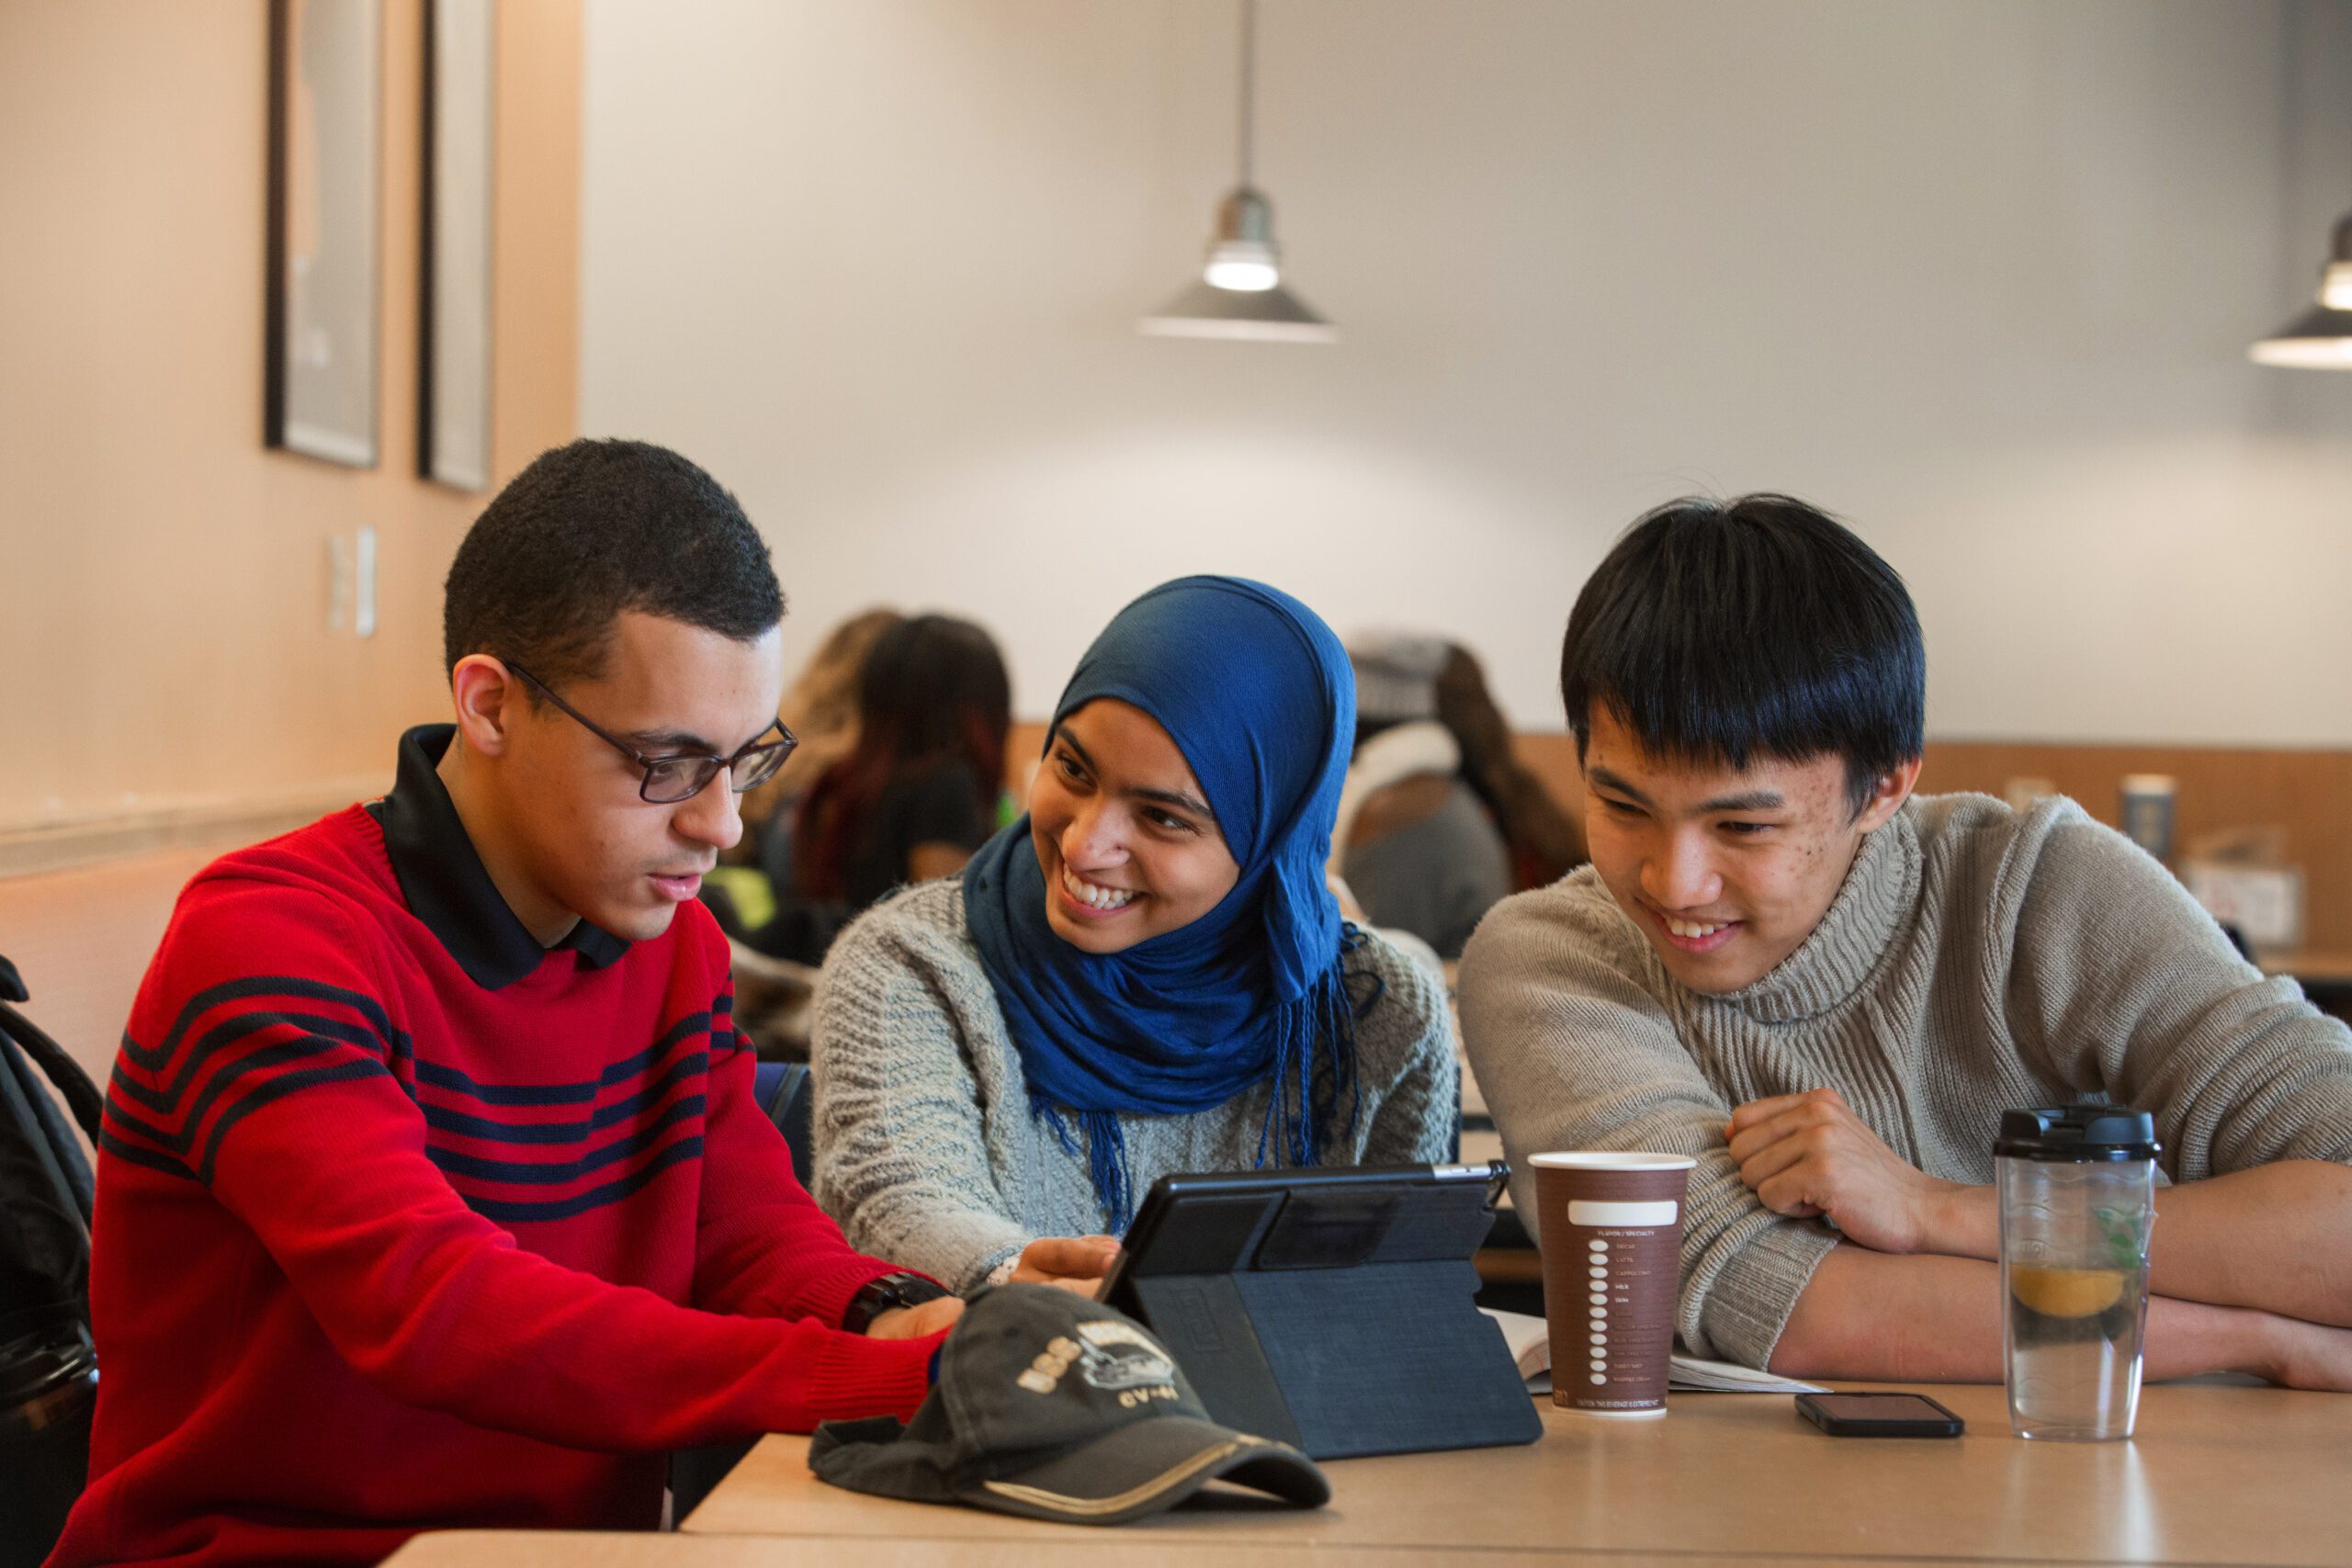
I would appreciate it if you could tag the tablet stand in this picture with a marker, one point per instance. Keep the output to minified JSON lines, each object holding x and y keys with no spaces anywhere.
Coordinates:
{"x":1332,"y":1315}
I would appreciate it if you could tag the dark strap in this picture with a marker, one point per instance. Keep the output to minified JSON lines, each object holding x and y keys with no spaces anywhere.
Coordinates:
{"x":82,"y":1097}
{"x":47,"y":1197}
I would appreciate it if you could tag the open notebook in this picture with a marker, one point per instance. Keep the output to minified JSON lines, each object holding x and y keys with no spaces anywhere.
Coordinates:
{"x":1530,"y":1347}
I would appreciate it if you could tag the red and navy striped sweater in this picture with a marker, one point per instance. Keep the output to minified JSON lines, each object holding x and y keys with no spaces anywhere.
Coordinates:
{"x":383,"y":1243}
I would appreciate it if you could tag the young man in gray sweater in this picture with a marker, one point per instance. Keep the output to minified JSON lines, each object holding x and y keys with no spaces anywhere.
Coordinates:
{"x":1827,"y":991}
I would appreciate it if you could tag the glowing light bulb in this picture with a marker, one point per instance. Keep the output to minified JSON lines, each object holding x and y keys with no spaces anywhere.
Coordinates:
{"x":1243,"y":268}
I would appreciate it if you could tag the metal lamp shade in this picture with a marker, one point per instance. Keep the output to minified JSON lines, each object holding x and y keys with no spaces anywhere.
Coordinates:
{"x":1258,"y":315}
{"x":1240,"y":297}
{"x":2319,"y":339}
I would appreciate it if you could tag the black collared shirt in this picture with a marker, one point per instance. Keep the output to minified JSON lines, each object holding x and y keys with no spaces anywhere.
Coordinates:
{"x":446,"y":886}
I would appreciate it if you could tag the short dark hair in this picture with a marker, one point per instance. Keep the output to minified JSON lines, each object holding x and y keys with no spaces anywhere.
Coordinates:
{"x":1720,"y":631}
{"x":590,"y":530}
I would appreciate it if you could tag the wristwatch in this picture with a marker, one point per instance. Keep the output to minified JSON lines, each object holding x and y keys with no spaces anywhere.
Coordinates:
{"x":887,"y":1293}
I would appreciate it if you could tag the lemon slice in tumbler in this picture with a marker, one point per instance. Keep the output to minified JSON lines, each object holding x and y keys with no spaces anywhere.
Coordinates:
{"x":2066,"y":1293}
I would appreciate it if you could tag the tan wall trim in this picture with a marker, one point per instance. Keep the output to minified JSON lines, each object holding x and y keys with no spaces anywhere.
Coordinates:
{"x":94,"y":838}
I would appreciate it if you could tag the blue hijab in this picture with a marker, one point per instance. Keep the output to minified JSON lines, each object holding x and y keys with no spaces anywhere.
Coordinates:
{"x":1258,"y":695}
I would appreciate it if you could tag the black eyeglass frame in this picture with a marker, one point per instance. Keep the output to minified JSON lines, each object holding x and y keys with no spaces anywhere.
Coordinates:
{"x":770,"y":754}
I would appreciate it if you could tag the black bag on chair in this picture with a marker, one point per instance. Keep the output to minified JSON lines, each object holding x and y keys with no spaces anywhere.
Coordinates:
{"x":48,"y":1371}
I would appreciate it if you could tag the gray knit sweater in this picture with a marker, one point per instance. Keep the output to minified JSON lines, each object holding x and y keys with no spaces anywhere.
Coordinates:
{"x":928,"y":1153}
{"x":1975,"y":959}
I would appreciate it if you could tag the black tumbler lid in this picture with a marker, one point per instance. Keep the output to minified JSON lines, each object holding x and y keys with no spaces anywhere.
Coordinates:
{"x":2082,"y":1133}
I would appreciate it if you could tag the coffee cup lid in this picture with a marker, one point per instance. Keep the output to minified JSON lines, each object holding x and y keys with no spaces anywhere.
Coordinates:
{"x":1612,"y":1159}
{"x":2080,"y":1133}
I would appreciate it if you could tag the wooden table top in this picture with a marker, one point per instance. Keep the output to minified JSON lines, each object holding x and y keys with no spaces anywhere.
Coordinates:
{"x":2215,"y":1474}
{"x":1104,"y":1548}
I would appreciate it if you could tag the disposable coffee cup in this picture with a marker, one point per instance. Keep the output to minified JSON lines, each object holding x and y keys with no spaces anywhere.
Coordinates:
{"x":1610,"y":1228}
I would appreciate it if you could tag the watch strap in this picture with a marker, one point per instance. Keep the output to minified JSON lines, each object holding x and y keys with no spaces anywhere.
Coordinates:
{"x":887,"y":1293}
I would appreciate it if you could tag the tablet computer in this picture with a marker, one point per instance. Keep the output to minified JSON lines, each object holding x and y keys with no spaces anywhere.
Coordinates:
{"x":1331,"y":1309}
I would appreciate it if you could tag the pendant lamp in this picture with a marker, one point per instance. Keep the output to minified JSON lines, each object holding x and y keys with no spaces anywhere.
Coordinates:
{"x":1241,"y":294}
{"x":2321,"y":338}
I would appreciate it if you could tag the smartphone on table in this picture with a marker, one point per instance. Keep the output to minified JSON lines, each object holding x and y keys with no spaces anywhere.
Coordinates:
{"x":1879,"y":1415}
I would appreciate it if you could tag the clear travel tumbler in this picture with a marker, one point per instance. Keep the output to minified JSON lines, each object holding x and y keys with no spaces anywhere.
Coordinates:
{"x":2077,"y":1191}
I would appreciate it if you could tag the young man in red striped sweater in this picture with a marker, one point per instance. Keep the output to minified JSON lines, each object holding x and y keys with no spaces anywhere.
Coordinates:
{"x":431,"y":1190}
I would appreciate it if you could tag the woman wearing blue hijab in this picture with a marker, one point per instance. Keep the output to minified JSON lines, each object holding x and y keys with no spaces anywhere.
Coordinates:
{"x":1146,"y":974}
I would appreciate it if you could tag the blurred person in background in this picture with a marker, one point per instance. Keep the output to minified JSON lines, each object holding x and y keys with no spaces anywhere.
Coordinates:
{"x":821,"y":709}
{"x":917,"y":791}
{"x":1413,"y":842}
{"x":1544,"y":841}
{"x":751,"y":889}
{"x":1440,"y":821}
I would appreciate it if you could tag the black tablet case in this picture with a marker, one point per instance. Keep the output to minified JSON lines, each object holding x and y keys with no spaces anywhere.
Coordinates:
{"x":1336,"y":1318}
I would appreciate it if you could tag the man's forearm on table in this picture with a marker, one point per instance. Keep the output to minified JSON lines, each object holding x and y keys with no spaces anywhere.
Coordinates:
{"x":2276,"y":1239}
{"x":1873,"y":1316}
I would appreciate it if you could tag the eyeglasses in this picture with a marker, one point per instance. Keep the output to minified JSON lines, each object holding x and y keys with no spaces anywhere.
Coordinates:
{"x":681,"y":776}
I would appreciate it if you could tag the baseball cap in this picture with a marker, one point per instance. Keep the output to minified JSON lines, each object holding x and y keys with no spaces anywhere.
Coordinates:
{"x":1057,"y":1408}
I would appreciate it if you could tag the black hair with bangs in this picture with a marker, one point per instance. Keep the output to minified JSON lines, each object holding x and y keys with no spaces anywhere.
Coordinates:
{"x":1723,"y":631}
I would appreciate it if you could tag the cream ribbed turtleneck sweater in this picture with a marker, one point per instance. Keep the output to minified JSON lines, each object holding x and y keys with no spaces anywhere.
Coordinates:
{"x":1975,"y":959}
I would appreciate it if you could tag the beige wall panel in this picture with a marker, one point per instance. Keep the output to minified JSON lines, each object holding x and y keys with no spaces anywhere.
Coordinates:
{"x":1979,"y":274}
{"x":165,"y":639}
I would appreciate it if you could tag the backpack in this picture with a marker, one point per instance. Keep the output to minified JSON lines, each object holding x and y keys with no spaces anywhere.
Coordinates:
{"x":47,"y":1366}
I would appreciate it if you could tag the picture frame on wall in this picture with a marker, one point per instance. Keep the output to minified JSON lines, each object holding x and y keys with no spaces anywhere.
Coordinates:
{"x":323,"y":285}
{"x":453,"y":414}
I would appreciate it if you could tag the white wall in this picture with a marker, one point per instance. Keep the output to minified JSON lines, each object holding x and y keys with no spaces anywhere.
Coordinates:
{"x":1978,"y":274}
